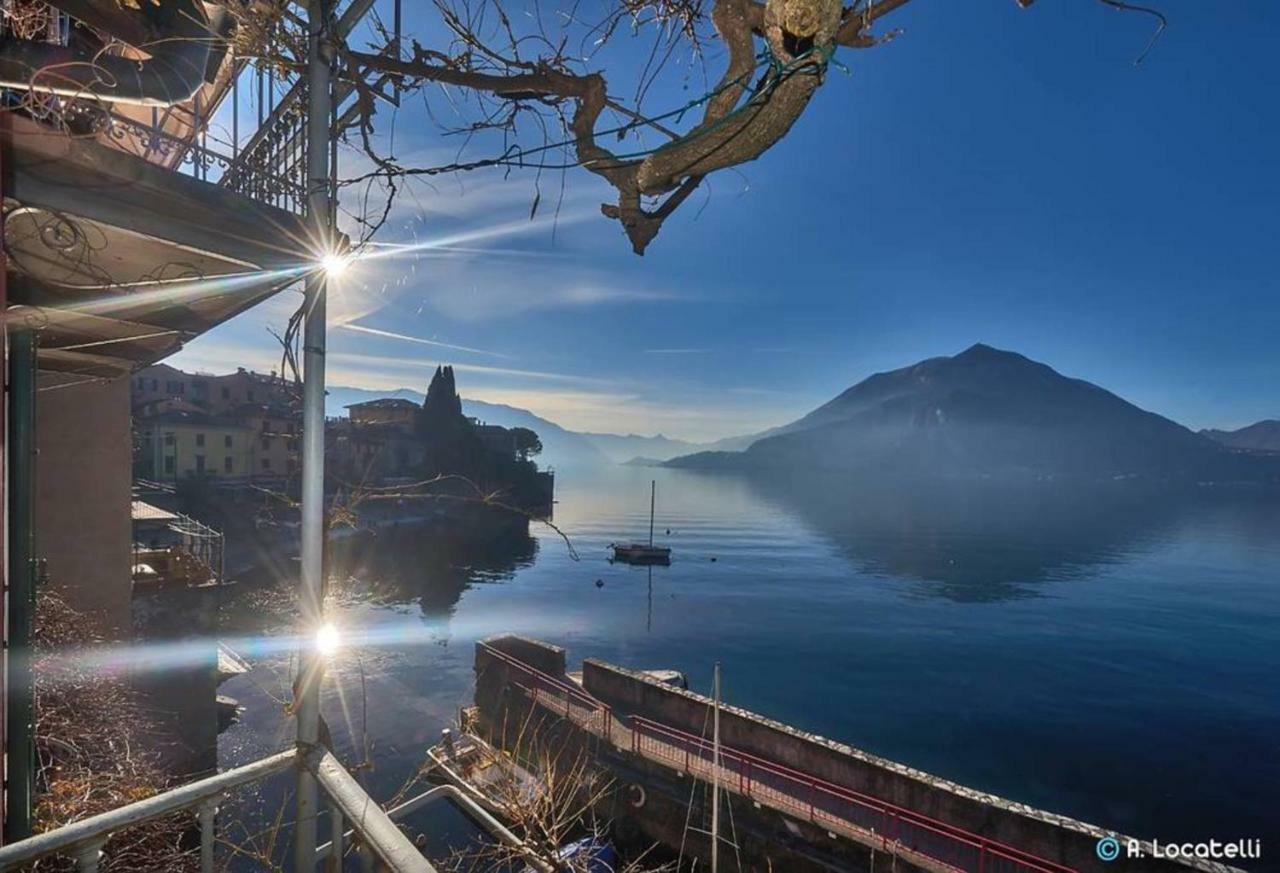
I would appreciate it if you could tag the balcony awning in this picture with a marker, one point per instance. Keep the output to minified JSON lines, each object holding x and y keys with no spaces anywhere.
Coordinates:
{"x":118,"y":262}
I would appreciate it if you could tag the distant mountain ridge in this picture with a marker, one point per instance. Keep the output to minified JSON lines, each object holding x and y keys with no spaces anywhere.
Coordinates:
{"x":980,"y":413}
{"x":560,"y":447}
{"x":1261,"y":436}
{"x":620,"y":448}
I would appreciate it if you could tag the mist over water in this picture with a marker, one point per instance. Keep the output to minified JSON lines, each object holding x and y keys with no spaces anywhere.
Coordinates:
{"x":1112,"y":655}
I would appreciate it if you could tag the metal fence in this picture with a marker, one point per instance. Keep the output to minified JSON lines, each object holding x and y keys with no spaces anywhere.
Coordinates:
{"x":379,"y":837}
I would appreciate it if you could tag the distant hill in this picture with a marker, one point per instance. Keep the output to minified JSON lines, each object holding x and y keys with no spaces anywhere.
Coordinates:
{"x":1264,"y":436}
{"x":641,"y":461}
{"x":560,"y":447}
{"x":620,"y":448}
{"x":983,"y":412}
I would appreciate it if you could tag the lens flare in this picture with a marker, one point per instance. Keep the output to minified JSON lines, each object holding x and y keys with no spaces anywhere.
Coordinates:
{"x":334,"y":264}
{"x":328,"y":640}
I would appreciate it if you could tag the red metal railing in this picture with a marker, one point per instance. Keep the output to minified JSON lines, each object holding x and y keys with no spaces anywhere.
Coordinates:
{"x":561,"y":696}
{"x":802,"y":795}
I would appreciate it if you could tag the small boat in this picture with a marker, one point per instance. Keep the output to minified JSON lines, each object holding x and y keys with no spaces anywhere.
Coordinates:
{"x":643,"y":553}
{"x":639,"y":553}
{"x":592,"y":854}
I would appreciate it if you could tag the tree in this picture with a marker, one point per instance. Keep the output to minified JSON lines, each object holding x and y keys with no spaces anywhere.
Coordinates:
{"x":541,"y":74}
{"x":528,"y":444}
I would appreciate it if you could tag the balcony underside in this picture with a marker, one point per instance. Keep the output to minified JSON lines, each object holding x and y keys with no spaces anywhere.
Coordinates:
{"x":119,"y":262}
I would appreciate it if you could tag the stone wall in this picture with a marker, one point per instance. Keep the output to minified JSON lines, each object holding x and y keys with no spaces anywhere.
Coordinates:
{"x":84,"y":491}
{"x":1052,"y":837}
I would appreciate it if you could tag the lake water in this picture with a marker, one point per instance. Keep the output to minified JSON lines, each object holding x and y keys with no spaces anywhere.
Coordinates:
{"x":1112,"y":657}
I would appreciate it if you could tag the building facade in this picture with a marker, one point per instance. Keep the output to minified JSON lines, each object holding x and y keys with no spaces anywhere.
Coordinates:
{"x":225,"y":429}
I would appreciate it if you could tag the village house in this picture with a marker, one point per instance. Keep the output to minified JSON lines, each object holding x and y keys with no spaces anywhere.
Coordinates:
{"x":180,"y":444}
{"x":226,"y":429}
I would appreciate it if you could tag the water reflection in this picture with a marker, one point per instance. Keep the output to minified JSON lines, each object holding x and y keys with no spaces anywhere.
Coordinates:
{"x":430,"y":568}
{"x":978,"y":543}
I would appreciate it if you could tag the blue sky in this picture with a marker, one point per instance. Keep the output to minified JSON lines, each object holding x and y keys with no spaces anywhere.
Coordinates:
{"x":993,"y":175}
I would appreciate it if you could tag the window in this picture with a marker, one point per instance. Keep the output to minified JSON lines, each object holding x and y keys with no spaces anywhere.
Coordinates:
{"x":168,"y":465}
{"x":266,"y":463}
{"x":168,"y":438}
{"x":199,"y":463}
{"x":226,"y":440}
{"x":228,"y":463}
{"x":226,"y":393}
{"x":200,"y":439}
{"x":250,"y":395}
{"x":155,"y":384}
{"x":266,"y":443}
{"x":182,"y":387}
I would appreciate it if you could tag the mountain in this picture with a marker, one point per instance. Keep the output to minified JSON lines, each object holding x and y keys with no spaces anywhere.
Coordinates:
{"x":560,"y":447}
{"x":983,"y":412}
{"x":620,"y":448}
{"x":1264,"y":436}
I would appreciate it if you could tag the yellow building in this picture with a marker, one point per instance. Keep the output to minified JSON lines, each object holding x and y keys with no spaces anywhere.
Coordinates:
{"x":181,"y":444}
{"x":275,"y":433}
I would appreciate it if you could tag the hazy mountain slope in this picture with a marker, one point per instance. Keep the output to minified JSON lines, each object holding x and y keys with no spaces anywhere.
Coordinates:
{"x":1262,"y":436}
{"x":620,"y":448}
{"x":560,"y":447}
{"x":981,"y":412}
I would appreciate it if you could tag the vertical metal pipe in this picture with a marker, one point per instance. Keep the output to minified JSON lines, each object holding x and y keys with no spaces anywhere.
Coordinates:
{"x":208,"y":813}
{"x":311,"y":584}
{"x":715,"y":777}
{"x":397,"y":27}
{"x":235,"y":117}
{"x":337,"y":825}
{"x":22,"y":584}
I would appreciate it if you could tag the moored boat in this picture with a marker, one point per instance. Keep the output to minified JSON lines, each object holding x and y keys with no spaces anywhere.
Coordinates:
{"x":643,"y":553}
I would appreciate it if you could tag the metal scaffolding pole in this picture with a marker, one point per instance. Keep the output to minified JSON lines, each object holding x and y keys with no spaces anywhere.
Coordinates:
{"x":311,"y":584}
{"x":20,"y":740}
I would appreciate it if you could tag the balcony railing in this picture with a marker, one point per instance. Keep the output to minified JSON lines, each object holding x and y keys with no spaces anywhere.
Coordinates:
{"x":379,"y":839}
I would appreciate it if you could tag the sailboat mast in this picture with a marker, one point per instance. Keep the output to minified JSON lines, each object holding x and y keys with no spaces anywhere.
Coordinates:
{"x":653,"y":496}
{"x":715,"y":775}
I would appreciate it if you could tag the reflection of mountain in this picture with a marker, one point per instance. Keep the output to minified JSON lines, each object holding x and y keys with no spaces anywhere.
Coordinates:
{"x":977,"y":542}
{"x":986,"y":412}
{"x":431,"y":566}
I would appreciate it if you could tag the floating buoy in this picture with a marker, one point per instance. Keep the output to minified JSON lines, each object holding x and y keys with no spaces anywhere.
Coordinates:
{"x":599,"y":583}
{"x":713,"y":560}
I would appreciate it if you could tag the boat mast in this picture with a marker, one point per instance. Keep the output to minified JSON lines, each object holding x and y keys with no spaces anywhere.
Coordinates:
{"x":715,"y":774}
{"x":653,"y":496}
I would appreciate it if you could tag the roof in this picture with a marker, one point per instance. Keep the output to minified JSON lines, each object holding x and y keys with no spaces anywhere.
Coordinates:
{"x":383,"y":403}
{"x":143,"y":511}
